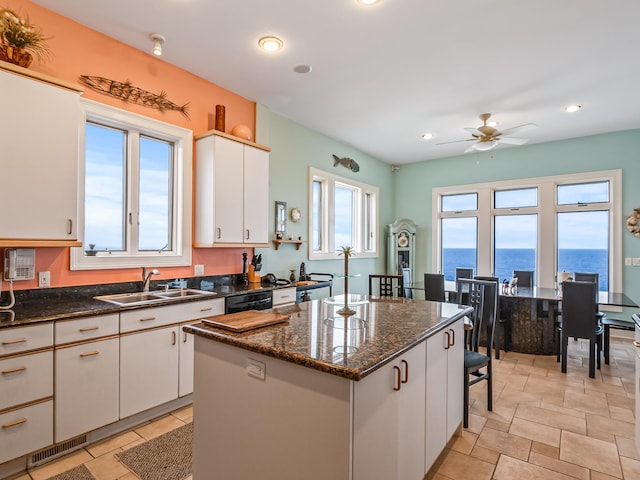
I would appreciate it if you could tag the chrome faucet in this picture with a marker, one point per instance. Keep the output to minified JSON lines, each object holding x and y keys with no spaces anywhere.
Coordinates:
{"x":146,"y":278}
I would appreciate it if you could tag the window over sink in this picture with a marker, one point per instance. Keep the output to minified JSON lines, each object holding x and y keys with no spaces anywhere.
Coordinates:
{"x":135,"y":187}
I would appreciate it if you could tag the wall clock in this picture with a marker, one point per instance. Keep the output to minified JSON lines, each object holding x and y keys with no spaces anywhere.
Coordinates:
{"x":295,"y":214}
{"x":633,"y":222}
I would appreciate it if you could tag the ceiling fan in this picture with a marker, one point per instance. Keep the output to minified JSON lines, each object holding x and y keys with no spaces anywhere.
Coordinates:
{"x":487,"y":137}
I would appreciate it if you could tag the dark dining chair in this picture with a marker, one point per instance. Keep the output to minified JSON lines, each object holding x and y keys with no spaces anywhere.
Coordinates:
{"x":579,"y":321}
{"x":387,"y":285}
{"x":406,"y":280}
{"x":434,"y":287}
{"x":461,"y":272}
{"x":525,"y":278}
{"x":482,"y":296}
{"x":502,"y":325}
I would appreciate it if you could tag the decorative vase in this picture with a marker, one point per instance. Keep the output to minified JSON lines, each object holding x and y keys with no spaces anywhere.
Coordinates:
{"x":220,"y":118}
{"x":292,"y":276}
{"x":15,"y":55}
{"x":241,"y":131}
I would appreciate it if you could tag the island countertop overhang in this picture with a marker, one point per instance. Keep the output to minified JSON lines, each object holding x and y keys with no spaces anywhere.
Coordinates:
{"x":315,"y":335}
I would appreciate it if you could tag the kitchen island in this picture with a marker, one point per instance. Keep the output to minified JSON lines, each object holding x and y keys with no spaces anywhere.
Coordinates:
{"x":372,"y":395}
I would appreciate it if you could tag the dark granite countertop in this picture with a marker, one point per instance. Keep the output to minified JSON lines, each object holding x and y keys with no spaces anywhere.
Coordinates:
{"x":42,"y":305}
{"x":315,"y":337}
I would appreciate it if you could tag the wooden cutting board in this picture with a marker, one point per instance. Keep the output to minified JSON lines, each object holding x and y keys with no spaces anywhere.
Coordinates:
{"x":243,"y":321}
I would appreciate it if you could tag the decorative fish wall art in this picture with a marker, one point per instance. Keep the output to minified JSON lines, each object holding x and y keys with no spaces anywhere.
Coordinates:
{"x":346,"y":162}
{"x":127,"y":92}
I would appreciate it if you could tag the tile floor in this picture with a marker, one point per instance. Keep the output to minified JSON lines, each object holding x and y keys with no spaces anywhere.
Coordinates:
{"x":545,"y":425}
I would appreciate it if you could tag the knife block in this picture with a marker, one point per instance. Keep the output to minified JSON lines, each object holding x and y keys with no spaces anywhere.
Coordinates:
{"x":252,"y":275}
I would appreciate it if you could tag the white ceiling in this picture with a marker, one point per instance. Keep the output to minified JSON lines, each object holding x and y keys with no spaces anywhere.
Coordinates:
{"x":384,"y":75}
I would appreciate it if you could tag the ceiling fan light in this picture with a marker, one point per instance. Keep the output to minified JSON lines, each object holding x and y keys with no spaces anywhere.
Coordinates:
{"x":427,"y":136}
{"x":573,"y":108}
{"x":484,"y":146}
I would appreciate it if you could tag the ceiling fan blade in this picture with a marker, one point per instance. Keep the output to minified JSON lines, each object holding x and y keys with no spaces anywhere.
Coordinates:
{"x":458,"y":141}
{"x":512,"y":140}
{"x":474,"y":131}
{"x":519,"y":128}
{"x":470,"y":149}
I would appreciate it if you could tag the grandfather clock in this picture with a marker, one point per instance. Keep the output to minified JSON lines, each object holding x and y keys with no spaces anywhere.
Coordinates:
{"x":401,"y":240}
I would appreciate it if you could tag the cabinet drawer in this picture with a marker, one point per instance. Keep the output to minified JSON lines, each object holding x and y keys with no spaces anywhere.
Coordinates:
{"x":284,"y":296}
{"x":25,"y":430}
{"x":78,"y":330}
{"x":26,"y":378}
{"x":22,"y":339}
{"x":133,"y":320}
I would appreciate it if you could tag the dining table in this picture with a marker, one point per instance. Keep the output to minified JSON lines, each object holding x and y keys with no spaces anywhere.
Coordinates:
{"x":527,"y":316}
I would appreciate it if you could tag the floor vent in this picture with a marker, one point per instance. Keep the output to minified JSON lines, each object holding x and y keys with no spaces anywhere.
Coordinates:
{"x":57,"y":450}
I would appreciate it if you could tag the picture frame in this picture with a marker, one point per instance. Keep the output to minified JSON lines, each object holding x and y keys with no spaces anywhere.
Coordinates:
{"x":281,"y":218}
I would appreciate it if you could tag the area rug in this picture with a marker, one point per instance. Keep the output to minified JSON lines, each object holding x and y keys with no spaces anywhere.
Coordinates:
{"x":78,"y":473}
{"x":167,"y":457}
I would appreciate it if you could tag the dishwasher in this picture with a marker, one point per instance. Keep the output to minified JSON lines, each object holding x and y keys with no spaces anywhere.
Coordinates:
{"x":248,"y":301}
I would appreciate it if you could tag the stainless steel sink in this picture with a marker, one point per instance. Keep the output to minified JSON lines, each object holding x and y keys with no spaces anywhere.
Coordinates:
{"x":142,"y":298}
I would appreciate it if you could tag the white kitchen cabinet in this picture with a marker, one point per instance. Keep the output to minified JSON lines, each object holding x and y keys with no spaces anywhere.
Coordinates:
{"x":284,"y":296}
{"x":156,"y":356}
{"x":26,"y":389}
{"x":86,"y":387}
{"x":232,"y":191}
{"x":444,"y":393}
{"x":148,"y":369}
{"x":39,"y":159}
{"x":389,"y":420}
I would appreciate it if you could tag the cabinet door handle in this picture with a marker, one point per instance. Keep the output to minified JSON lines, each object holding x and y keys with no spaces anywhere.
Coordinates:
{"x":70,"y":226}
{"x":89,"y":354}
{"x":219,"y":232}
{"x":173,"y":338}
{"x":184,"y":337}
{"x":453,"y":336}
{"x":89,"y":329}
{"x":636,"y":344}
{"x":14,"y":424}
{"x":406,"y":371}
{"x":14,"y":370}
{"x":397,"y":370}
{"x":206,"y":309}
{"x":248,"y":234}
{"x":448,"y":340}
{"x":147,"y":319}
{"x":13,"y":342}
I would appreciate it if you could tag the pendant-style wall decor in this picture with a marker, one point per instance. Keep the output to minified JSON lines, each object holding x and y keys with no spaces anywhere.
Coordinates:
{"x":128,"y":93}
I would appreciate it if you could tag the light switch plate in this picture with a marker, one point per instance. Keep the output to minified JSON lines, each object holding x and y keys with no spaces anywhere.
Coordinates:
{"x":627,"y":261}
{"x":198,"y":270}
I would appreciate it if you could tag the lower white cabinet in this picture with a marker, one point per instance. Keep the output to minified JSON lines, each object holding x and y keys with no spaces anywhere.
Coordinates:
{"x":148,"y":369}
{"x":445,"y":384}
{"x":25,"y":430}
{"x":284,"y":296}
{"x":25,"y":378}
{"x":86,"y":387}
{"x":389,"y":420}
{"x":185,"y":363}
{"x":637,"y":344}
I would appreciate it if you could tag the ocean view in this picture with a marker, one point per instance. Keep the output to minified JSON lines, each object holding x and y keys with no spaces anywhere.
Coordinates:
{"x":509,"y":259}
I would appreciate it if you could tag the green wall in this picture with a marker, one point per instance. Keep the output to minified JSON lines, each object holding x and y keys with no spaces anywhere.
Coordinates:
{"x":294,"y":149}
{"x":406,"y":193}
{"x":618,"y":150}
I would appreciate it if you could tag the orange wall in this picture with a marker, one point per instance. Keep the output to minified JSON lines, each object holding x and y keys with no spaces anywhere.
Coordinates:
{"x":77,"y":50}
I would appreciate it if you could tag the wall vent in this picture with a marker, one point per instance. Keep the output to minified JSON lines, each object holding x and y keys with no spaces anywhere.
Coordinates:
{"x":56,"y":451}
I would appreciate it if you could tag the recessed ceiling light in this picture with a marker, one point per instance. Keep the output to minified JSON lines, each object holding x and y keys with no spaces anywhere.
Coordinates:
{"x":302,"y":68}
{"x":427,"y":136}
{"x":573,"y":108}
{"x":368,"y":2}
{"x":270,"y":44}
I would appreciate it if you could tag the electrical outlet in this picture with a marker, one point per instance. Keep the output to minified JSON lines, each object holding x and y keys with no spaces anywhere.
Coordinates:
{"x":636,"y":262}
{"x":256,"y":368}
{"x":627,"y":261}
{"x":44,"y":279}
{"x":198,"y":270}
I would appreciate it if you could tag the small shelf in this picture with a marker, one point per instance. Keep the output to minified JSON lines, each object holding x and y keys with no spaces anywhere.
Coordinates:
{"x":298,"y":243}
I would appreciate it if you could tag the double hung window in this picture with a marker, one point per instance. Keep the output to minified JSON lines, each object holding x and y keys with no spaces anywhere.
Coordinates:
{"x":549,"y":224}
{"x":344,"y":213}
{"x":136,"y":186}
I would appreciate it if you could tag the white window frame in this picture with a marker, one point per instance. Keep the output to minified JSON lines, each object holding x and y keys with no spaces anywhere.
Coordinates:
{"x":546,"y":261}
{"x":180,"y":254}
{"x":328,"y":182}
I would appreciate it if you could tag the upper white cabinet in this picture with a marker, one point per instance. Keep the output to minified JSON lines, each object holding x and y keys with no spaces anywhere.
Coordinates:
{"x":39,"y":162}
{"x":232,"y":192}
